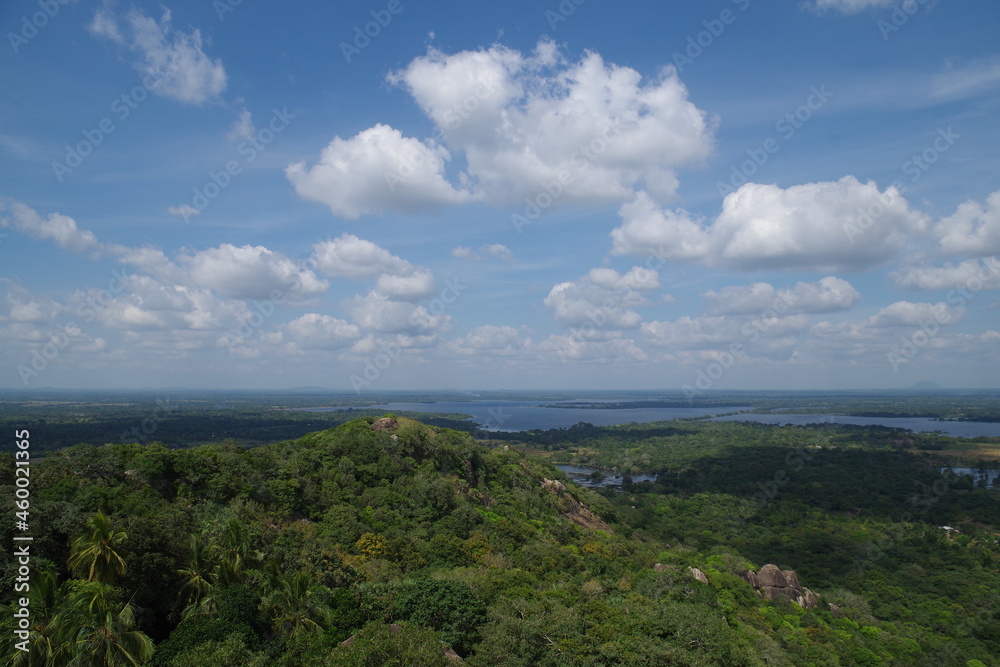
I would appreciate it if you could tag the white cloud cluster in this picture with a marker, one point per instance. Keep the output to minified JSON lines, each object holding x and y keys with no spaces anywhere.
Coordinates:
{"x":250,"y":272}
{"x":55,"y":227}
{"x":602,"y":300}
{"x":969,"y":274}
{"x":172,"y":63}
{"x":828,"y":295}
{"x":764,"y":226}
{"x":378,"y":170}
{"x":586,"y":132}
{"x":974,"y":229}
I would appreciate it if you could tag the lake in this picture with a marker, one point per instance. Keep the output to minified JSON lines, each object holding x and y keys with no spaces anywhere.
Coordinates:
{"x":977,"y":474}
{"x":916,"y":424}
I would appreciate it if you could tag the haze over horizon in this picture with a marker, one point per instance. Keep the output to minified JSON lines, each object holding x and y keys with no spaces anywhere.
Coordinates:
{"x":721,"y":196}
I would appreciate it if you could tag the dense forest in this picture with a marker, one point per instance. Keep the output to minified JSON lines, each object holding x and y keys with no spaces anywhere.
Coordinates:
{"x":395,"y":542}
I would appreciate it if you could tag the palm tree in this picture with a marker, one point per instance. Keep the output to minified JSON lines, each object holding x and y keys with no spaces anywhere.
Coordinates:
{"x":199,"y":575}
{"x":95,"y":628}
{"x":94,"y":550}
{"x":294,"y":606}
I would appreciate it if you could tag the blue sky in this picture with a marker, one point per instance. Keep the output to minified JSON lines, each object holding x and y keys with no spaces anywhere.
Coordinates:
{"x":403,"y":195}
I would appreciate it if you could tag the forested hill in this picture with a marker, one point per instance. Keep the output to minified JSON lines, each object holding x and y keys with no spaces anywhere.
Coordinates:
{"x":393,"y":542}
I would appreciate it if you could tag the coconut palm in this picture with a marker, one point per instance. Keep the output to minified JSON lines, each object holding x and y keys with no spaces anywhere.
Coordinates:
{"x":95,"y":628}
{"x":294,"y":605}
{"x":94,"y":551}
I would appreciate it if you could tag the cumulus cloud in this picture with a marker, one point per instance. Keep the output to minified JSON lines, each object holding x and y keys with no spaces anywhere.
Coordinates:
{"x":594,"y":129}
{"x":819,"y":226}
{"x":907,"y":314}
{"x":830,"y":294}
{"x":418,"y":285}
{"x":970,"y":274}
{"x":602,"y":300}
{"x":974,"y":229}
{"x":55,"y":227}
{"x":377,"y":312}
{"x":251,"y":272}
{"x":172,"y":62}
{"x":379,"y":169}
{"x":493,"y":340}
{"x":321,"y":332}
{"x":348,"y":256}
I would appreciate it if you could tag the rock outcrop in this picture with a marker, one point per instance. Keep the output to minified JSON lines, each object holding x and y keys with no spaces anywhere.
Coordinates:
{"x":385,"y":424}
{"x":573,"y":509}
{"x":773,"y":583}
{"x":697,"y":574}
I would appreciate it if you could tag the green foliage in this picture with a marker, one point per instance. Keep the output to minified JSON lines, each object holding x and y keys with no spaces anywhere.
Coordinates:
{"x":226,"y":555}
{"x":391,"y":646}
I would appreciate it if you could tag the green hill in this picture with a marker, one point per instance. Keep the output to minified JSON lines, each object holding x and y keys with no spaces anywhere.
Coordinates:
{"x":393,"y":542}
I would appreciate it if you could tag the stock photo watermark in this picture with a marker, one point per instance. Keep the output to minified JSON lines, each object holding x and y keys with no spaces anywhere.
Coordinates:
{"x":42,"y":356}
{"x":911,"y":344}
{"x":552,"y":190}
{"x":363,"y":35}
{"x":786,"y":127}
{"x":389,"y":352}
{"x":915,"y":167}
{"x":698,"y":43}
{"x":247,"y":150}
{"x":32,"y":25}
{"x":901,"y":14}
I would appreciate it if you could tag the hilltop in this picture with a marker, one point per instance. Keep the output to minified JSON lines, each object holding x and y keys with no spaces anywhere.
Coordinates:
{"x":387,"y":538}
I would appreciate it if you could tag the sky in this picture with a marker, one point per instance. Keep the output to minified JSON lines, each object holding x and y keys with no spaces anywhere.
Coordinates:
{"x":404,"y":195}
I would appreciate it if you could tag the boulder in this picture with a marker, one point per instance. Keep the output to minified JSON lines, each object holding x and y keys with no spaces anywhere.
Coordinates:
{"x":697,"y":574}
{"x":751,"y":578}
{"x":791,"y":579}
{"x":385,"y":424}
{"x":770,"y":575}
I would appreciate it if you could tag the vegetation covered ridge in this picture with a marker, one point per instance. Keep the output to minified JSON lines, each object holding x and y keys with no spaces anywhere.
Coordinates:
{"x":389,"y":541}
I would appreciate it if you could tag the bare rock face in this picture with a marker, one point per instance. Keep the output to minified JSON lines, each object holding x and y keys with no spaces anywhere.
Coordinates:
{"x":770,"y":575}
{"x":697,"y":574}
{"x":385,"y":424}
{"x":835,"y":610}
{"x":772,"y":583}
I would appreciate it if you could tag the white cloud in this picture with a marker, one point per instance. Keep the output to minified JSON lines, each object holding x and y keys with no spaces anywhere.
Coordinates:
{"x":816,"y":226}
{"x":56,"y":227}
{"x":602,"y":300}
{"x":593,"y":130}
{"x":242,"y":128}
{"x":377,"y":312}
{"x":376,"y":170}
{"x":830,"y":294}
{"x":491,"y":250}
{"x":717,"y":332}
{"x":172,"y":63}
{"x":973,"y":229}
{"x":251,"y":272}
{"x":413,"y":287}
{"x":907,"y":314}
{"x":321,"y":332}
{"x":348,"y":256}
{"x":184,"y":211}
{"x":853,"y":6}
{"x":492,"y":340}
{"x":970,"y":274}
